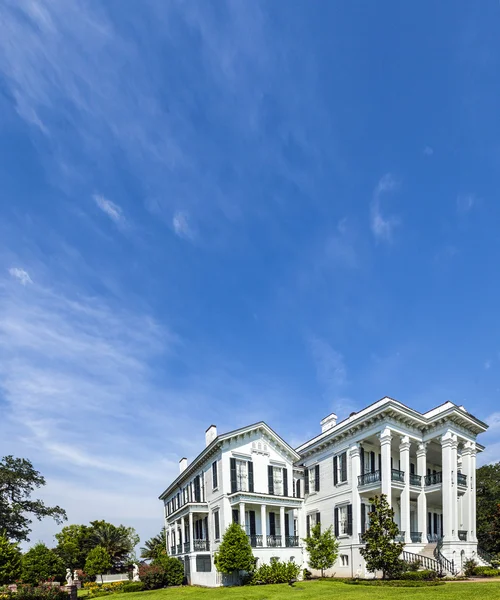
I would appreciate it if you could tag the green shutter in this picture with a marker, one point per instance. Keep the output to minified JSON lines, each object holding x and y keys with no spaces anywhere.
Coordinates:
{"x":270,"y":479}
{"x":285,"y":482}
{"x":316,"y":478}
{"x":233,"y":475}
{"x":306,"y":481}
{"x":250,"y":476}
{"x":335,"y":470}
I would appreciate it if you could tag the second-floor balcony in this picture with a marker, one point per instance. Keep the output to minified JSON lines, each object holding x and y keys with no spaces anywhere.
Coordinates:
{"x":434,"y":479}
{"x":172,"y":550}
{"x":201,"y":545}
{"x":274,"y":541}
{"x":255,"y":541}
{"x":179,"y":548}
{"x":187,"y":547}
{"x":462,"y":479}
{"x":369,"y":478}
{"x":415,"y":479}
{"x":291,"y":541}
{"x":462,"y":536}
{"x":397,"y":475}
{"x":416,"y":537}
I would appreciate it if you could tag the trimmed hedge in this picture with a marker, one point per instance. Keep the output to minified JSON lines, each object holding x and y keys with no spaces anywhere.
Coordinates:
{"x":275,"y":572}
{"x":393,"y":583}
{"x":424,"y":575}
{"x":133,"y":586}
{"x":486,"y":572}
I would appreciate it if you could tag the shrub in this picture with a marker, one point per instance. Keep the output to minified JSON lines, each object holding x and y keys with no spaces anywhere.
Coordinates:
{"x":173,"y":569}
{"x":41,"y":592}
{"x":306,"y":574}
{"x":393,"y":583}
{"x":235,"y":552}
{"x":133,"y":586}
{"x":10,"y":561}
{"x":424,"y":575}
{"x":486,"y":572}
{"x":469,"y":567}
{"x":98,"y":561}
{"x":41,"y":564}
{"x":413,"y":566}
{"x":275,"y":572}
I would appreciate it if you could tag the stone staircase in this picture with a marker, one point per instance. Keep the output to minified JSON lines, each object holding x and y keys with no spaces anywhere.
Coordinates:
{"x":428,"y":550}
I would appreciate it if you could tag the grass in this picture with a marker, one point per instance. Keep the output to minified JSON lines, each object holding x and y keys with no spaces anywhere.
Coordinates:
{"x":321,"y":590}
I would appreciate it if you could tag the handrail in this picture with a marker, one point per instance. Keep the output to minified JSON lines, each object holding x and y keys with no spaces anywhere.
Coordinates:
{"x":462,"y":479}
{"x":425,"y":561}
{"x":484,"y":555}
{"x":434,"y":478}
{"x":444,"y":563}
{"x":415,"y":479}
{"x":368,"y":478}
{"x":397,"y":475}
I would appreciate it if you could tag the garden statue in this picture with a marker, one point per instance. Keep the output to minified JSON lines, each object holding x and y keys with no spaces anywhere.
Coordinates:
{"x":75,"y":575}
{"x":69,"y":577}
{"x":135,"y":572}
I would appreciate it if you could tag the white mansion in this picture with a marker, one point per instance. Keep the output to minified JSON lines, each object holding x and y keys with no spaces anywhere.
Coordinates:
{"x":424,"y":463}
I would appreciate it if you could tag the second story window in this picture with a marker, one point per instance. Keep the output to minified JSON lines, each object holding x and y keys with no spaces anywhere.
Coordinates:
{"x":311,"y":480}
{"x":241,"y":475}
{"x":215,"y":483}
{"x":340,"y":468}
{"x":277,"y":480}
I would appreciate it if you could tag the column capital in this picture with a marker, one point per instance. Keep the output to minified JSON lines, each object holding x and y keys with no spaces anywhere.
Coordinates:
{"x":385,"y":436}
{"x":422,"y":449}
{"x":404,"y":443}
{"x":448,"y":440}
{"x":355,"y":449}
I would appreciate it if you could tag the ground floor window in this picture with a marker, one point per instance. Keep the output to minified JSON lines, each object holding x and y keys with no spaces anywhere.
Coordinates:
{"x":344,"y":559}
{"x":203,"y":563}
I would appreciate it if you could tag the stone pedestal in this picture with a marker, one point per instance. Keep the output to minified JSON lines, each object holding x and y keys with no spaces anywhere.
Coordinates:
{"x":72,"y":591}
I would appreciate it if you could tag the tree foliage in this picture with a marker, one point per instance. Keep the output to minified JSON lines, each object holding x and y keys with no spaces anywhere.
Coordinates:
{"x":235,"y":552}
{"x":41,"y":564}
{"x":155,"y":546}
{"x":73,"y":545}
{"x":119,"y":541}
{"x":18,"y":480}
{"x":322,"y":548}
{"x":10,"y":561}
{"x":381,"y":551}
{"x":98,"y":561}
{"x":488,"y":499}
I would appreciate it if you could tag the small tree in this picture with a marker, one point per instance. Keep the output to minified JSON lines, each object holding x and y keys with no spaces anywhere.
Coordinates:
{"x":98,"y":562}
{"x":235,"y":552}
{"x":10,"y":561}
{"x":41,"y":564}
{"x":381,"y":551}
{"x":322,"y":548}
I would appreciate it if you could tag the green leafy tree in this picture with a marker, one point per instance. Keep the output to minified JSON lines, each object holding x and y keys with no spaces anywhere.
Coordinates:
{"x":381,"y":551}
{"x":487,"y":501}
{"x":322,"y":548}
{"x":119,"y":541}
{"x":173,"y":568}
{"x":73,"y":545}
{"x":235,"y":552}
{"x":41,"y":564}
{"x":18,"y":480}
{"x":155,"y":546}
{"x":98,"y":562}
{"x":10,"y":561}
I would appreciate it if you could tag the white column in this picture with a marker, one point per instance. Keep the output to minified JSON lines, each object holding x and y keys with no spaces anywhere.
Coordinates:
{"x":242,"y":515}
{"x":473,"y":492}
{"x":385,"y":450}
{"x":448,"y":486}
{"x":191,"y":533}
{"x":422,"y":498}
{"x":282,"y":526}
{"x":454,"y":464}
{"x":183,"y":534}
{"x":356,"y":501}
{"x":404,"y":457}
{"x":466,"y":498}
{"x":263,"y":524}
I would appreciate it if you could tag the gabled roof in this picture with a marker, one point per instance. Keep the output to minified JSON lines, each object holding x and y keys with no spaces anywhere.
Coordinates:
{"x":217,"y":443}
{"x":448,"y":410}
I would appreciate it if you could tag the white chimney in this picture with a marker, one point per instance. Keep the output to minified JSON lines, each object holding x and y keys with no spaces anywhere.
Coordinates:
{"x":210,"y":435}
{"x":328,"y":422}
{"x":183,"y":464}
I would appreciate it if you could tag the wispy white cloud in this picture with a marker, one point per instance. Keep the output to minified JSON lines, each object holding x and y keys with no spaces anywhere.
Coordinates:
{"x":111,"y":209}
{"x":382,"y":225}
{"x":21,"y":275}
{"x":182,"y":226}
{"x":466,"y":202}
{"x":428,"y":151}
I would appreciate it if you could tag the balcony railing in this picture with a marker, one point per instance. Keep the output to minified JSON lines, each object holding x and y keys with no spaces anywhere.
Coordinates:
{"x":187,"y":547}
{"x":172,"y":550}
{"x":397,"y":475}
{"x":400,"y":537}
{"x":179,"y":548}
{"x":462,"y":479}
{"x":415,"y":479}
{"x":434,"y":479}
{"x":368,"y":478}
{"x":462,"y":536}
{"x":434,"y":538}
{"x":274,"y":541}
{"x":255,"y":541}
{"x":416,"y":537}
{"x":291,"y":541}
{"x":201,"y":545}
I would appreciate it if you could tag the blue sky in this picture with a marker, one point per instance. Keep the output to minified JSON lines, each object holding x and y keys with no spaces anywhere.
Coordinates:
{"x":222,"y":212}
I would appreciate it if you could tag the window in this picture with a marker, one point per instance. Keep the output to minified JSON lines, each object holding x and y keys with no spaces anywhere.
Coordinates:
{"x":216,"y":525}
{"x":340,"y":468}
{"x":214,"y":476}
{"x":344,"y":559}
{"x":203,"y":563}
{"x":241,"y":475}
{"x":343,"y":520}
{"x":312,"y":520}
{"x":311,"y":479}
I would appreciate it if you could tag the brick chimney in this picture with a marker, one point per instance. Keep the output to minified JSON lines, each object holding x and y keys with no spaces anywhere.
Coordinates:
{"x":210,"y":434}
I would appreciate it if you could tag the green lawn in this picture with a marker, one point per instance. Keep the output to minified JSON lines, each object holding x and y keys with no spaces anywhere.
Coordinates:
{"x":316,"y":590}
